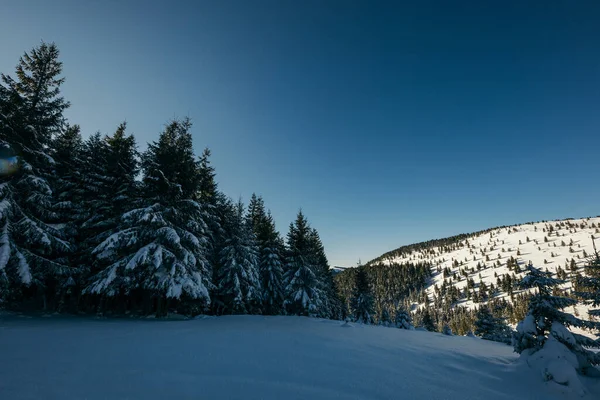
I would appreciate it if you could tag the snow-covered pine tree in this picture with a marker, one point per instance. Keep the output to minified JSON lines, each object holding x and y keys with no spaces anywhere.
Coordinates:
{"x":110,"y":170}
{"x":492,"y":328}
{"x":33,"y":242}
{"x":67,"y":151}
{"x":385,"y":318}
{"x":94,"y":191}
{"x":545,"y":318}
{"x":238,"y":284}
{"x":302,"y":292}
{"x":331,"y":304}
{"x":271,"y":268}
{"x":159,"y":251}
{"x":362,"y":299}
{"x":270,"y":265}
{"x":403,"y":319}
{"x":215,"y":206}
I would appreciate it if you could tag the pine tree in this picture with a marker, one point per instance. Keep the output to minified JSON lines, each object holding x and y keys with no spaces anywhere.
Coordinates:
{"x":303,"y":293}
{"x":238,"y":285}
{"x":270,"y":265}
{"x":331,"y":305}
{"x":427,"y":321}
{"x":207,"y":190}
{"x":492,"y":328}
{"x":362,"y":299}
{"x":34,"y":245}
{"x":544,"y":317}
{"x":446,"y":330}
{"x":94,"y":191}
{"x":159,"y":250}
{"x":109,"y":190}
{"x":67,"y":150}
{"x":385,"y":318}
{"x":403,"y":319}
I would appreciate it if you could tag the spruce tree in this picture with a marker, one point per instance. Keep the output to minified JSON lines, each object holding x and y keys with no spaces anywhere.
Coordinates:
{"x":111,"y":170}
{"x":94,"y":191}
{"x":446,"y":330}
{"x":67,"y":151}
{"x":159,"y":250}
{"x":34,"y":244}
{"x":491,"y":328}
{"x":238,"y":284}
{"x":109,"y":190}
{"x":427,"y":321}
{"x":403,"y":319}
{"x":331,"y":305}
{"x":385,"y":318}
{"x":362,"y":299}
{"x":302,"y":292}
{"x":214,"y":205}
{"x":545,"y":317}
{"x":270,"y":265}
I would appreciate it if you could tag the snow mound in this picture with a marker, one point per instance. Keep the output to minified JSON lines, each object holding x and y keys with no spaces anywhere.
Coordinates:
{"x":557,"y":364}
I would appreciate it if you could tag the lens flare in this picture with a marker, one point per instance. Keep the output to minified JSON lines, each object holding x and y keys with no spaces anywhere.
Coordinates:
{"x":8,"y":166}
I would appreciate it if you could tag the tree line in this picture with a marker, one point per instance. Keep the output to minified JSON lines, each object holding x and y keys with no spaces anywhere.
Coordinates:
{"x":94,"y":225}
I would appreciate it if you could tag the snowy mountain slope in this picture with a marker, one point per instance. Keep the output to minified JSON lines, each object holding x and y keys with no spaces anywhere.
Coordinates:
{"x":550,"y":245}
{"x":254,"y":357}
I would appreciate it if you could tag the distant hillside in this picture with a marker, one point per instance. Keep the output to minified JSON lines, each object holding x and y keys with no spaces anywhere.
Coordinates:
{"x":470,"y":270}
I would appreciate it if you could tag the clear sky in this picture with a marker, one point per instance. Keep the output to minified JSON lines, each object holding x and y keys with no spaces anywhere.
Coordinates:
{"x":388,"y":123}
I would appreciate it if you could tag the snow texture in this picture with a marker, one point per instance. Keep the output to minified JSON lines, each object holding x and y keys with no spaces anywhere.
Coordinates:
{"x":255,"y":357}
{"x":557,"y":365}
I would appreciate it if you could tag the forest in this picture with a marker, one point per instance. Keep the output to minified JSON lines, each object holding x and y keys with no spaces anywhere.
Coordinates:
{"x":95,"y":226}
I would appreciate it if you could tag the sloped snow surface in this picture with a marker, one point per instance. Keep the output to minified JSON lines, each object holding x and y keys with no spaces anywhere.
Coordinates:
{"x":255,"y":357}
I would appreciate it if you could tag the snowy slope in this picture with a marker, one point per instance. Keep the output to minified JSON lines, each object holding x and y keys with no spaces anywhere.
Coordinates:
{"x":254,"y":357}
{"x":502,"y":243}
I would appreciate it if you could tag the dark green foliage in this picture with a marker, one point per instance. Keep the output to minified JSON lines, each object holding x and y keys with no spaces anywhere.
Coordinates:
{"x":308,"y":281}
{"x":427,"y":321}
{"x":492,"y":328}
{"x":270,"y":264}
{"x":80,"y":231}
{"x":385,"y":318}
{"x":238,"y":283}
{"x":34,"y":247}
{"x":391,"y":283}
{"x":159,"y":248}
{"x":403,"y":319}
{"x":362,"y":300}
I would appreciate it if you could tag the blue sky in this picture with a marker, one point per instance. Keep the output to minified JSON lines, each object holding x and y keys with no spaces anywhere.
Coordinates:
{"x":388,"y":123}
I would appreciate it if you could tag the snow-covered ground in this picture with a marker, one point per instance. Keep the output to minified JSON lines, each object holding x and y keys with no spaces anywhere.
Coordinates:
{"x":254,"y":357}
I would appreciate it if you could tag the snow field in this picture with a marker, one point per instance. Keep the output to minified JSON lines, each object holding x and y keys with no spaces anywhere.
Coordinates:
{"x":255,"y":357}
